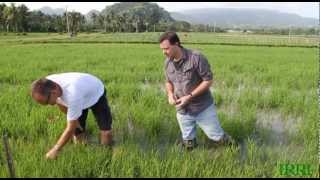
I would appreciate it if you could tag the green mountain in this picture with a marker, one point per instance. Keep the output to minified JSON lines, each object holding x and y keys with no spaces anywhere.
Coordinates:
{"x":229,"y":17}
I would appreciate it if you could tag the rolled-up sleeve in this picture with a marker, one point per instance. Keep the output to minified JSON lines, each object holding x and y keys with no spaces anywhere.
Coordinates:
{"x":204,"y":68}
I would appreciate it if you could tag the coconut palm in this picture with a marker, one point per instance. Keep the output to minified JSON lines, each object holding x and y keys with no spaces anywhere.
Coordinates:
{"x":22,"y":14}
{"x":2,"y":18}
{"x":10,"y":17}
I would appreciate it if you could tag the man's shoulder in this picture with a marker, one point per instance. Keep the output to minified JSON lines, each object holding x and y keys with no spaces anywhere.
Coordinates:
{"x":192,"y":54}
{"x":195,"y":56}
{"x":195,"y":52}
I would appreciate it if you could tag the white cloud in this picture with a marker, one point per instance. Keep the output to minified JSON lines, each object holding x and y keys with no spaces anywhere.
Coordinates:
{"x":306,"y":9}
{"x":83,"y":7}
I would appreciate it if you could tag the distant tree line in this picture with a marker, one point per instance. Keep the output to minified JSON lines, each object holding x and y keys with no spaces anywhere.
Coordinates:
{"x":20,"y":19}
{"x":120,"y":17}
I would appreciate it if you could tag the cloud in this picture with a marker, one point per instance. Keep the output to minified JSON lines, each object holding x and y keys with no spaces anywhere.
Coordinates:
{"x":306,"y":9}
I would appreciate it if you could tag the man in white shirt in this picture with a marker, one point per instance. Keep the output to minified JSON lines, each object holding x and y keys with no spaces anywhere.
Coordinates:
{"x":75,"y":93}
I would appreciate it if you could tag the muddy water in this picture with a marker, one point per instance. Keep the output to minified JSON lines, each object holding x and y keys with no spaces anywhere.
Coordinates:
{"x":280,"y":128}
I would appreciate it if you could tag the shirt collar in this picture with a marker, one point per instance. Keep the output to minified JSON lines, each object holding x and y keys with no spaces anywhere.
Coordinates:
{"x":184,"y":55}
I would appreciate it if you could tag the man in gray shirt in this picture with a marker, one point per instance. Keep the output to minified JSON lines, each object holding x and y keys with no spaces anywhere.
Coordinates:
{"x":188,"y":81}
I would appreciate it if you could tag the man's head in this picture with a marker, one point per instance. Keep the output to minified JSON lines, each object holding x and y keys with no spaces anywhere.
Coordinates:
{"x":45,"y":91}
{"x":170,"y":44}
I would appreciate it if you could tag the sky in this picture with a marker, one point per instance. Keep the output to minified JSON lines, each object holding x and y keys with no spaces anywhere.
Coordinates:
{"x":304,"y":9}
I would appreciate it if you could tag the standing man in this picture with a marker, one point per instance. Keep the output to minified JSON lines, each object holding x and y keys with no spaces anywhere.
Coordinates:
{"x":75,"y":93}
{"x":188,"y":81}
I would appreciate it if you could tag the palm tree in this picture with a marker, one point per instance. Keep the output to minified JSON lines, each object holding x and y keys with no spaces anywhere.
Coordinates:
{"x":94,"y":17}
{"x":82,"y":22}
{"x":111,"y":16}
{"x":120,"y":21}
{"x":14,"y":17}
{"x":76,"y":20}
{"x":10,"y":14}
{"x":102,"y":21}
{"x":124,"y":25}
{"x":58,"y":23}
{"x":2,"y":18}
{"x":22,"y":14}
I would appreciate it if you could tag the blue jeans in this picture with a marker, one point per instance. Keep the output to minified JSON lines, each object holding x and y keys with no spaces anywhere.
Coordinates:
{"x":207,"y":121}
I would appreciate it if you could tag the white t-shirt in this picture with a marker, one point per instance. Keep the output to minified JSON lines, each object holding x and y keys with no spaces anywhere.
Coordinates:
{"x":79,"y":91}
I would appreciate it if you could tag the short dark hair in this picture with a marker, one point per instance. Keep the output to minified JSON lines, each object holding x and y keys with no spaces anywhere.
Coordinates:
{"x":42,"y":86}
{"x":171,"y":36}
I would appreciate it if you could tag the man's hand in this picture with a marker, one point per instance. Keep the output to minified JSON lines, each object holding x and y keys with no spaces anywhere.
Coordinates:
{"x":64,"y":138}
{"x":172,"y":99}
{"x":184,"y":100}
{"x":53,"y":153}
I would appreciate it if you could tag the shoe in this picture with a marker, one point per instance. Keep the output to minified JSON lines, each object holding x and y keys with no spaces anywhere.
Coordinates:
{"x":190,"y":144}
{"x":187,"y":144}
{"x":225,"y":140}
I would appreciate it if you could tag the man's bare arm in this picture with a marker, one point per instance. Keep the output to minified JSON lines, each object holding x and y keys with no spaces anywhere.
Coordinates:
{"x":62,"y":108}
{"x":201,"y":88}
{"x":68,"y":132}
{"x":64,"y":138}
{"x":170,"y":90}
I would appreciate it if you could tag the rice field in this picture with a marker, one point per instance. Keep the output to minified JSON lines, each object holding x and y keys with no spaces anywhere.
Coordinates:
{"x":152,"y":37}
{"x":266,"y":98}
